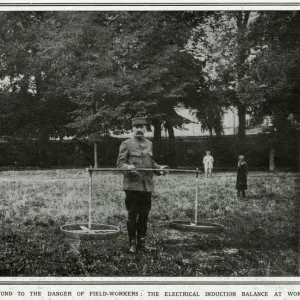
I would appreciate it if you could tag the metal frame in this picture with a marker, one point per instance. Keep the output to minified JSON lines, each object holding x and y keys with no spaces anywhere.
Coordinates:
{"x":102,"y":233}
{"x":91,"y":170}
{"x":197,"y":226}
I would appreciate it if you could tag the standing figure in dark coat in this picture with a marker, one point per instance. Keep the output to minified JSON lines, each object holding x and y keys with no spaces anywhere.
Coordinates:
{"x":242,"y":172}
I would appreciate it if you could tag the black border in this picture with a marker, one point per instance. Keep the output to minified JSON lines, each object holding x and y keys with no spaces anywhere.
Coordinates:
{"x":120,"y":4}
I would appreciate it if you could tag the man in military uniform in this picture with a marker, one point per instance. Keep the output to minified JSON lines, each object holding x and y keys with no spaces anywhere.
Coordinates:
{"x":136,"y":153}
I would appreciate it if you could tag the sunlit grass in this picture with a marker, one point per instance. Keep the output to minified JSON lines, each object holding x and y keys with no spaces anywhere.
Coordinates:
{"x":258,"y":240}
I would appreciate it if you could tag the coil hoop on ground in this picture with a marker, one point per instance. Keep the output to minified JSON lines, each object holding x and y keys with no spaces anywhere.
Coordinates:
{"x":81,"y":231}
{"x":203,"y":227}
{"x":89,"y":231}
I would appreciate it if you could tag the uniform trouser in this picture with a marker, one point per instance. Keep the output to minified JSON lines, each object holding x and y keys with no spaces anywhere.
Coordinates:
{"x":138,"y":205}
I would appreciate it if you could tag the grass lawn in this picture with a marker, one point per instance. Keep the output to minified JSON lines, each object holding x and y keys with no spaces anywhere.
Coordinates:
{"x":259,"y":239}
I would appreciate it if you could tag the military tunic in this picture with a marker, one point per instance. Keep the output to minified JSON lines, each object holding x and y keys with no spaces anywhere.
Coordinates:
{"x":138,"y":186}
{"x":138,"y":153}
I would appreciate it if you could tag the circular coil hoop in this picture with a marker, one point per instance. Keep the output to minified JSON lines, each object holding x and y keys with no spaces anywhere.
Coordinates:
{"x":96,"y":232}
{"x":204,"y":227}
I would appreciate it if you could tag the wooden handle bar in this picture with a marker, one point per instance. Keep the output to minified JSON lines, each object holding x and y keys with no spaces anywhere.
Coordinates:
{"x":142,"y":169}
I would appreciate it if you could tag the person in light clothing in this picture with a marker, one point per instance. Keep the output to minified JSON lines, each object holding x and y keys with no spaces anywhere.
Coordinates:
{"x":208,"y":162}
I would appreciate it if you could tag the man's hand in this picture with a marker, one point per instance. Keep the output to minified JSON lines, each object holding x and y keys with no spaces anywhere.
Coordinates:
{"x":131,"y":170}
{"x":163,"y":170}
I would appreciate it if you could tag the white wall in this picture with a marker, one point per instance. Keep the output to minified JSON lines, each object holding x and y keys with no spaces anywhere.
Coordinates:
{"x":230,"y":125}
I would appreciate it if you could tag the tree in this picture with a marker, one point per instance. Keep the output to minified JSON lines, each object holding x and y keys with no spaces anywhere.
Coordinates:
{"x":275,"y":75}
{"x":163,"y":68}
{"x":104,"y":67}
{"x":223,"y":43}
{"x":117,"y":65}
{"x":207,"y":105}
{"x":32,"y":106}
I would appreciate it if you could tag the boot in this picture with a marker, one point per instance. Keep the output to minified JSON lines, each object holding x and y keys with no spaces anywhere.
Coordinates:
{"x":141,"y":245}
{"x":132,"y":247}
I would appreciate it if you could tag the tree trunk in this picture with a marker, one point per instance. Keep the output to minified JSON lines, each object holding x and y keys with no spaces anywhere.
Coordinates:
{"x":157,"y":140}
{"x":242,"y":128}
{"x":96,"y":155}
{"x":39,"y":84}
{"x":61,"y":136}
{"x":242,"y":19}
{"x":78,"y":151}
{"x":172,"y":148}
{"x":272,"y":159}
{"x":210,"y":139}
{"x":298,"y":154}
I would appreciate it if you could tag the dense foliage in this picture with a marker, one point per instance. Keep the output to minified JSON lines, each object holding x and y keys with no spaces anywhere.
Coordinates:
{"x":87,"y":73}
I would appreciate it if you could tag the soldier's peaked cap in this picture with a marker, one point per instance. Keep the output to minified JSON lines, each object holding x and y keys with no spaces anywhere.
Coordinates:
{"x":139,"y":121}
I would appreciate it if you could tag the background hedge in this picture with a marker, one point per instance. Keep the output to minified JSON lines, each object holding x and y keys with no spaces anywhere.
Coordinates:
{"x":190,"y":151}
